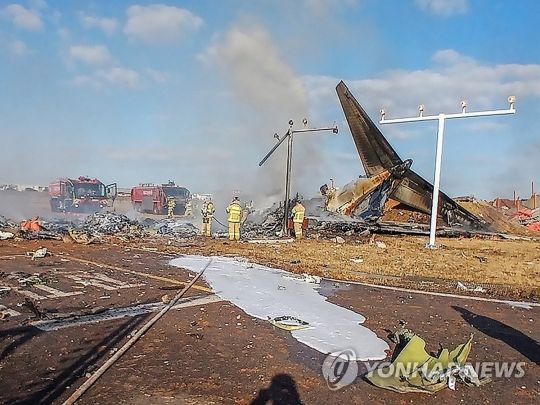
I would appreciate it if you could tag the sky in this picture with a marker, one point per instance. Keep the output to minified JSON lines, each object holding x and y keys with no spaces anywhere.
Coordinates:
{"x":193,"y":91}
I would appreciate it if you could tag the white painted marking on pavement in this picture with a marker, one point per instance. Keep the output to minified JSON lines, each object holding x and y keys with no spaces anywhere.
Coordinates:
{"x":96,"y":280}
{"x":30,"y":294}
{"x":54,"y":293}
{"x":117,"y":313}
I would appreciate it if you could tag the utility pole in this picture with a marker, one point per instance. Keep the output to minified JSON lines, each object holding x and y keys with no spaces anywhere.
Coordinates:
{"x":441,"y":118}
{"x":289,"y":135}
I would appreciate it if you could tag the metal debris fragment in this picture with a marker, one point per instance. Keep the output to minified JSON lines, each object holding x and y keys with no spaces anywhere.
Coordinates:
{"x":288,"y":323}
{"x":38,"y":254}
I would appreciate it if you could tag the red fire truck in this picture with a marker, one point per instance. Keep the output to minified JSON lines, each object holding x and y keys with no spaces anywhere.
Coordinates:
{"x":152,"y":198}
{"x":82,"y":195}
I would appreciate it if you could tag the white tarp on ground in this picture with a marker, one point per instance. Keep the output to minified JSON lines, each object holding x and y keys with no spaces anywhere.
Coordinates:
{"x":264,"y":292}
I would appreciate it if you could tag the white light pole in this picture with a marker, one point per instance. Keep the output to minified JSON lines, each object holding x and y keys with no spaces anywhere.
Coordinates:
{"x":438,"y":156}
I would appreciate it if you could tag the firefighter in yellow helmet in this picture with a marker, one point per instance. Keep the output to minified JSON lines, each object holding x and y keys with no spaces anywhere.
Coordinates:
{"x":298,"y":213}
{"x":207,"y":212}
{"x":234,"y":211}
{"x":171,"y":205}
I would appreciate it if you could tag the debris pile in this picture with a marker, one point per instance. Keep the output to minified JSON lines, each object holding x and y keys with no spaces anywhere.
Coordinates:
{"x":111,"y":223}
{"x":265,"y":223}
{"x":33,"y":229}
{"x":268,"y":223}
{"x":178,"y":229}
{"x":6,"y":223}
{"x":528,"y":218}
{"x":499,"y":220}
{"x":59,"y":226}
{"x":401,"y":213}
{"x":28,"y":279}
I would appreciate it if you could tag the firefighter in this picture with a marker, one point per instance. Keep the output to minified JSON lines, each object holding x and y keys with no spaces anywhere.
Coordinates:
{"x":207,"y":212}
{"x":234,"y":211}
{"x":298,"y":213}
{"x":171,"y":205}
{"x":189,"y":209}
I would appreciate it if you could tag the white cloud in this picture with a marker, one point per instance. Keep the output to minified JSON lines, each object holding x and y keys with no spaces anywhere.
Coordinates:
{"x":103,"y":79}
{"x":160,"y":23}
{"x":452,"y":78}
{"x":443,"y":7}
{"x":97,"y":55}
{"x":122,"y":77}
{"x":107,"y":25}
{"x":23,"y":18}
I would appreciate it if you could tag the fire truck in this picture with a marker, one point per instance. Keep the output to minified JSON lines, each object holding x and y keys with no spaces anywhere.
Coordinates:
{"x":152,"y":198}
{"x":81,"y":195}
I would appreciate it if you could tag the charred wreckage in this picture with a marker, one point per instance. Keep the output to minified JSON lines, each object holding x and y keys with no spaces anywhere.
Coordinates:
{"x":387,"y":177}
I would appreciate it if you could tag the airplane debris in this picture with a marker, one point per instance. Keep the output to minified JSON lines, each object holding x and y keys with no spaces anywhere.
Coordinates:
{"x":38,"y":254}
{"x":414,"y":370}
{"x":289,"y":323}
{"x":6,"y":235}
{"x":387,"y":176}
{"x":469,"y":287}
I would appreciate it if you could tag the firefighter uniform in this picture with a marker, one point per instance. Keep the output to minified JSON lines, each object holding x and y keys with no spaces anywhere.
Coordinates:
{"x":189,"y":209}
{"x":299,"y":213}
{"x":235,"y":215}
{"x":171,"y":205}
{"x":207,"y":212}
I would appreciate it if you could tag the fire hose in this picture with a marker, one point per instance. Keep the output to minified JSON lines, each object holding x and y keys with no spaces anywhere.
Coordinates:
{"x":223,"y":225}
{"x":215,"y":219}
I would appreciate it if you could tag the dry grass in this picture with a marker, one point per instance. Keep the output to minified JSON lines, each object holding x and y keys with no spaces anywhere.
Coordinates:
{"x":505,"y":267}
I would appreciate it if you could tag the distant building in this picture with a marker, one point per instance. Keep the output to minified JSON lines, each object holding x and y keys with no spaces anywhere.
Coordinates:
{"x":531,"y":203}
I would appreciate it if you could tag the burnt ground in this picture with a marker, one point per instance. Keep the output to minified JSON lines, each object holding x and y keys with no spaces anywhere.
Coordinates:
{"x":211,"y":351}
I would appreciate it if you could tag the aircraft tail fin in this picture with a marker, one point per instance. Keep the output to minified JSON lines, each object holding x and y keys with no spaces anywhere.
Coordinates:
{"x":377,"y":155}
{"x":374,"y":150}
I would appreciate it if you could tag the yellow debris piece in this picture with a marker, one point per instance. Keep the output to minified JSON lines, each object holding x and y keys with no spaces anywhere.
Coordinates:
{"x":414,"y":370}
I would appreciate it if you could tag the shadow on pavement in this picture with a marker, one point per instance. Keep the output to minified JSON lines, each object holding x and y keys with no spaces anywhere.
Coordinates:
{"x":282,"y":391}
{"x":67,"y":377}
{"x":21,"y":334}
{"x":517,"y":340}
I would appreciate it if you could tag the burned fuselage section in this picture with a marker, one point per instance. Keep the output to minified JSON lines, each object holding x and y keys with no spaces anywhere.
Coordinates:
{"x":387,"y":176}
{"x":365,"y":197}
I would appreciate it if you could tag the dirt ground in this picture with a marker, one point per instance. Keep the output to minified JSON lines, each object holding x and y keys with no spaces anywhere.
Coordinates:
{"x":90,"y":299}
